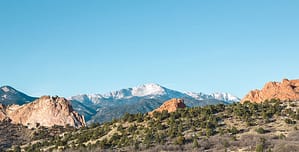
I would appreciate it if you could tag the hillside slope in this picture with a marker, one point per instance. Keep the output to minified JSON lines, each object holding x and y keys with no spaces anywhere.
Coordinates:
{"x":272,"y":125}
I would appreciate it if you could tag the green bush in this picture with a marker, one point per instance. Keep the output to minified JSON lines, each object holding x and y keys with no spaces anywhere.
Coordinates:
{"x":289,"y":121}
{"x":180,"y":140}
{"x":233,"y":130}
{"x":261,"y":146}
{"x":260,"y":130}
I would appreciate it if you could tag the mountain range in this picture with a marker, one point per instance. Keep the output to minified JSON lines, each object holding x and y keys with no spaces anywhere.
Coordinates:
{"x":98,"y":108}
{"x":140,"y":99}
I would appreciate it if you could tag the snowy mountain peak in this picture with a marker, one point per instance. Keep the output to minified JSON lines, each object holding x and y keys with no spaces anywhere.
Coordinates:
{"x":198,"y":96}
{"x":218,"y":95}
{"x":148,"y":89}
{"x":123,"y":93}
{"x":151,"y":91}
{"x":225,"y":97}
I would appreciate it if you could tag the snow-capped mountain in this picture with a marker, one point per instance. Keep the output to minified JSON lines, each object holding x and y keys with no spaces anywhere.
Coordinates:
{"x":105,"y":107}
{"x":217,"y":95}
{"x":142,"y":99}
{"x":225,"y":97}
{"x":150,"y":90}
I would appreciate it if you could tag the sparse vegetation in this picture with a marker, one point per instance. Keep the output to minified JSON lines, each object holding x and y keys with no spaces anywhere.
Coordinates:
{"x":217,"y":127}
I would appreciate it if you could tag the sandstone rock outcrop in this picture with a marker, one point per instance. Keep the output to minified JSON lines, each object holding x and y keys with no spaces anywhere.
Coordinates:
{"x":2,"y":112}
{"x":45,"y":111}
{"x":285,"y":90}
{"x":171,"y":105}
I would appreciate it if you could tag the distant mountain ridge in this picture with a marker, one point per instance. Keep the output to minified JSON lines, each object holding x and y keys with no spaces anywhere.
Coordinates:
{"x":9,"y":96}
{"x":143,"y":99}
{"x":140,"y":99}
{"x":151,"y":90}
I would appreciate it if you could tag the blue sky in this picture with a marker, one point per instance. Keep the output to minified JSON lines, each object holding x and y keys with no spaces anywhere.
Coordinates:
{"x":72,"y":47}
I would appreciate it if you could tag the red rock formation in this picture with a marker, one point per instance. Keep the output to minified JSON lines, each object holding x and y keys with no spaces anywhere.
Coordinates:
{"x":285,"y":90}
{"x":171,"y":105}
{"x":45,"y":111}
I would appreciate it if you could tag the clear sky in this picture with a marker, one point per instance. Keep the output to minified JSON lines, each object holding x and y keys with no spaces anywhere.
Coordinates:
{"x":70,"y":47}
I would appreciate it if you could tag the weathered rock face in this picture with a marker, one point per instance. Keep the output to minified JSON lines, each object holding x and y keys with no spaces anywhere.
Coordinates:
{"x":45,"y":111}
{"x":2,"y":112}
{"x":171,"y":105}
{"x":285,"y":90}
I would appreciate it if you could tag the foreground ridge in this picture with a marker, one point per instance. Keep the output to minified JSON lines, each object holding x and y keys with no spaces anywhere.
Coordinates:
{"x":236,"y":127}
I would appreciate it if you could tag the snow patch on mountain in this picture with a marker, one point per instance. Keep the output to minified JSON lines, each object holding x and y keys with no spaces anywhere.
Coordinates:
{"x":198,"y":96}
{"x":123,"y":93}
{"x":5,"y":89}
{"x":4,"y":96}
{"x":140,"y":91}
{"x":225,"y":97}
{"x":218,"y":95}
{"x":148,"y":90}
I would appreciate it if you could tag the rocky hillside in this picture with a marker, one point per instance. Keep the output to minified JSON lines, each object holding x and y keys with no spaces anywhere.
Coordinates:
{"x":45,"y":111}
{"x":285,"y":90}
{"x":270,"y":126}
{"x":170,"y":105}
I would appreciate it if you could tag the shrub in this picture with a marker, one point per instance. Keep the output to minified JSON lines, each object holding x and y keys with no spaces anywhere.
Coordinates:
{"x":209,"y":132}
{"x":289,"y":121}
{"x":261,"y":146}
{"x":282,"y":136}
{"x":225,"y":143}
{"x":180,"y":140}
{"x":195,"y":143}
{"x":260,"y":130}
{"x":233,"y":130}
